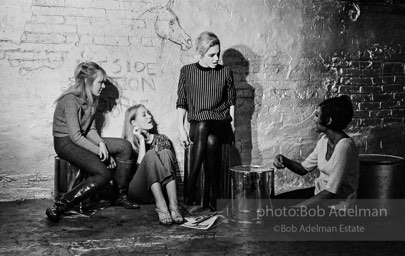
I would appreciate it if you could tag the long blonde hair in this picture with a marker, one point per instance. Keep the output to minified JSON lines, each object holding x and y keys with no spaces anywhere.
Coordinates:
{"x":85,"y":74}
{"x":130,"y":114}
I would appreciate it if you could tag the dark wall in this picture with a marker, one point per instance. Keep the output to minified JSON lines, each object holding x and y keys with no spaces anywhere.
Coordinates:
{"x":362,"y":49}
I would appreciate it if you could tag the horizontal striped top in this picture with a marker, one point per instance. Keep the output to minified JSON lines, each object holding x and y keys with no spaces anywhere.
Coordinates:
{"x":206,"y":93}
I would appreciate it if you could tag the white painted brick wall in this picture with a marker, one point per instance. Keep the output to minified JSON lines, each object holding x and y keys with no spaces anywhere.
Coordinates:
{"x":40,"y":49}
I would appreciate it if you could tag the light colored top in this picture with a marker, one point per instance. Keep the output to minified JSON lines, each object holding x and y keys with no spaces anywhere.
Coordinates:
{"x":73,"y":118}
{"x":338,"y":175}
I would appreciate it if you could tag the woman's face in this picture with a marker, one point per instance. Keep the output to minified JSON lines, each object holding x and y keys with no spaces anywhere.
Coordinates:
{"x":98,"y":84}
{"x":211,"y":57}
{"x":319,"y":127}
{"x":143,"y":119}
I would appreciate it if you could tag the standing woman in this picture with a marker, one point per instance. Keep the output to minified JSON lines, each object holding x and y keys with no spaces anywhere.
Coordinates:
{"x":77,"y":141}
{"x":206,"y":93}
{"x":155,"y":165}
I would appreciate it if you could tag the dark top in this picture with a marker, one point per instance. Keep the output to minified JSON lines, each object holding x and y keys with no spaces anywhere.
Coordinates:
{"x":159,"y":143}
{"x":206,"y":93}
{"x":73,"y":118}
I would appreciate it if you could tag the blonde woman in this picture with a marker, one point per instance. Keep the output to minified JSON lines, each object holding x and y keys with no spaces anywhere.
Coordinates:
{"x":77,"y":141}
{"x":206,"y":94}
{"x":155,"y":165}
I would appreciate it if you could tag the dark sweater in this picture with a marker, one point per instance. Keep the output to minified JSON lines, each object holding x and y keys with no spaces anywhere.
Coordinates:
{"x":206,"y":93}
{"x":72,"y":118}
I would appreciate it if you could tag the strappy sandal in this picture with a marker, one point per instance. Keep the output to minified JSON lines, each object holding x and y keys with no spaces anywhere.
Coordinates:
{"x":164,"y":217}
{"x":176,"y":215}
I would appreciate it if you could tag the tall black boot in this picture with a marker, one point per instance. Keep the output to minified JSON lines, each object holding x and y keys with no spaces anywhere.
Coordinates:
{"x":82,"y":191}
{"x":121,"y":183}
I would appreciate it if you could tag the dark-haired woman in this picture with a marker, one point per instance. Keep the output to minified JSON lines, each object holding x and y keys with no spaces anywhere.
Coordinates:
{"x":335,"y":155}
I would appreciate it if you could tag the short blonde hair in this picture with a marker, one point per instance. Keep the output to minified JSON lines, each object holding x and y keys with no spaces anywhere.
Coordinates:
{"x":205,"y":41}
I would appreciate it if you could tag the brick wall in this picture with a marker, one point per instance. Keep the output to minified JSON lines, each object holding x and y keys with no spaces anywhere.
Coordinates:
{"x":286,"y":60}
{"x":375,"y":82}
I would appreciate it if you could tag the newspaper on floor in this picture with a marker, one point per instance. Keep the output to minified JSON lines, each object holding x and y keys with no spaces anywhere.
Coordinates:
{"x":205,"y":221}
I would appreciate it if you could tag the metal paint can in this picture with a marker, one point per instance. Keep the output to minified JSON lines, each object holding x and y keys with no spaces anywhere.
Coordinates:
{"x":251,"y":192}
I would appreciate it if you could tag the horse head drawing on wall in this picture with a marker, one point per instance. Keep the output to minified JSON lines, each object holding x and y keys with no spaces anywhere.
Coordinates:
{"x":166,"y":25}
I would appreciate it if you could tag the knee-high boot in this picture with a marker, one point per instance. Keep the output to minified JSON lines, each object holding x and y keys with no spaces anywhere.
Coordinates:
{"x":121,"y":183}
{"x":79,"y":193}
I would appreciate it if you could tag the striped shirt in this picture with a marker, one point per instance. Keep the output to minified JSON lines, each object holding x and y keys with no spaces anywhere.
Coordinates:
{"x":206,"y":93}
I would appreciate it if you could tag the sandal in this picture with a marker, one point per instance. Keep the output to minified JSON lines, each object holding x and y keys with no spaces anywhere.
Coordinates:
{"x":164,"y":217}
{"x":176,"y":215}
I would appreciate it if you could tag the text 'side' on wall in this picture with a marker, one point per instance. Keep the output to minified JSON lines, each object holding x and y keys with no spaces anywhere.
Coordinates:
{"x":287,"y":56}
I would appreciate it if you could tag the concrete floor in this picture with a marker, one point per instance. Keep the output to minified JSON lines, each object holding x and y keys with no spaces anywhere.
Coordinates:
{"x":117,"y":231}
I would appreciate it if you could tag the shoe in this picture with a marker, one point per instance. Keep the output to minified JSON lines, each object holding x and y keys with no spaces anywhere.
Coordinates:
{"x":55,"y":212}
{"x":123,"y":199}
{"x":176,"y":215}
{"x":71,"y":199}
{"x":164,"y":217}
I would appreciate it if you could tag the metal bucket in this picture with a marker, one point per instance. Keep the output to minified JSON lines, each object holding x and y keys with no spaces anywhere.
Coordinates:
{"x":251,"y":191}
{"x":381,"y":177}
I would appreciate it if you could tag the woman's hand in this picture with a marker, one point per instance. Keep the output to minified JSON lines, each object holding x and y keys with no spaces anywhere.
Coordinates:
{"x":138,"y":133}
{"x":103,"y":151}
{"x":183,"y":138}
{"x":279,"y":161}
{"x":112,"y":164}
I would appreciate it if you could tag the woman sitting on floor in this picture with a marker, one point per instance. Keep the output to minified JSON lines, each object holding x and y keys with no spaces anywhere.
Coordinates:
{"x":335,"y":155}
{"x":155,"y":165}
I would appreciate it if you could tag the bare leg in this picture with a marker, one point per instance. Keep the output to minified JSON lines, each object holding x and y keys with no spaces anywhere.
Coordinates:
{"x":173,"y":204}
{"x":172,"y":194}
{"x":161,"y":206}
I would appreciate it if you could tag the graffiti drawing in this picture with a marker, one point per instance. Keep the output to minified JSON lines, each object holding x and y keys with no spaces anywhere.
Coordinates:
{"x":165,"y":24}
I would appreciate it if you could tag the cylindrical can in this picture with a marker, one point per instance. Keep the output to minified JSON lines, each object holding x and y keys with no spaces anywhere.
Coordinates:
{"x":381,"y":182}
{"x":381,"y":177}
{"x":252,"y":190}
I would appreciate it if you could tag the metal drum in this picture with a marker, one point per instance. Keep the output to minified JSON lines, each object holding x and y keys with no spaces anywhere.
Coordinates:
{"x":381,"y":177}
{"x":252,"y":190}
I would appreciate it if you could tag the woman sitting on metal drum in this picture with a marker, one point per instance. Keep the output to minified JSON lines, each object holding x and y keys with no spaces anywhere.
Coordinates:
{"x":155,"y":166}
{"x":335,"y":155}
{"x":206,"y":93}
{"x":77,"y":141}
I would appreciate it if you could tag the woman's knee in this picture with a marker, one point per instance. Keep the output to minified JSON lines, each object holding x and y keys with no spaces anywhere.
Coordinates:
{"x":122,"y":148}
{"x":150,"y":154}
{"x":166,"y":152}
{"x":167,"y":156}
{"x":212,"y":141}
